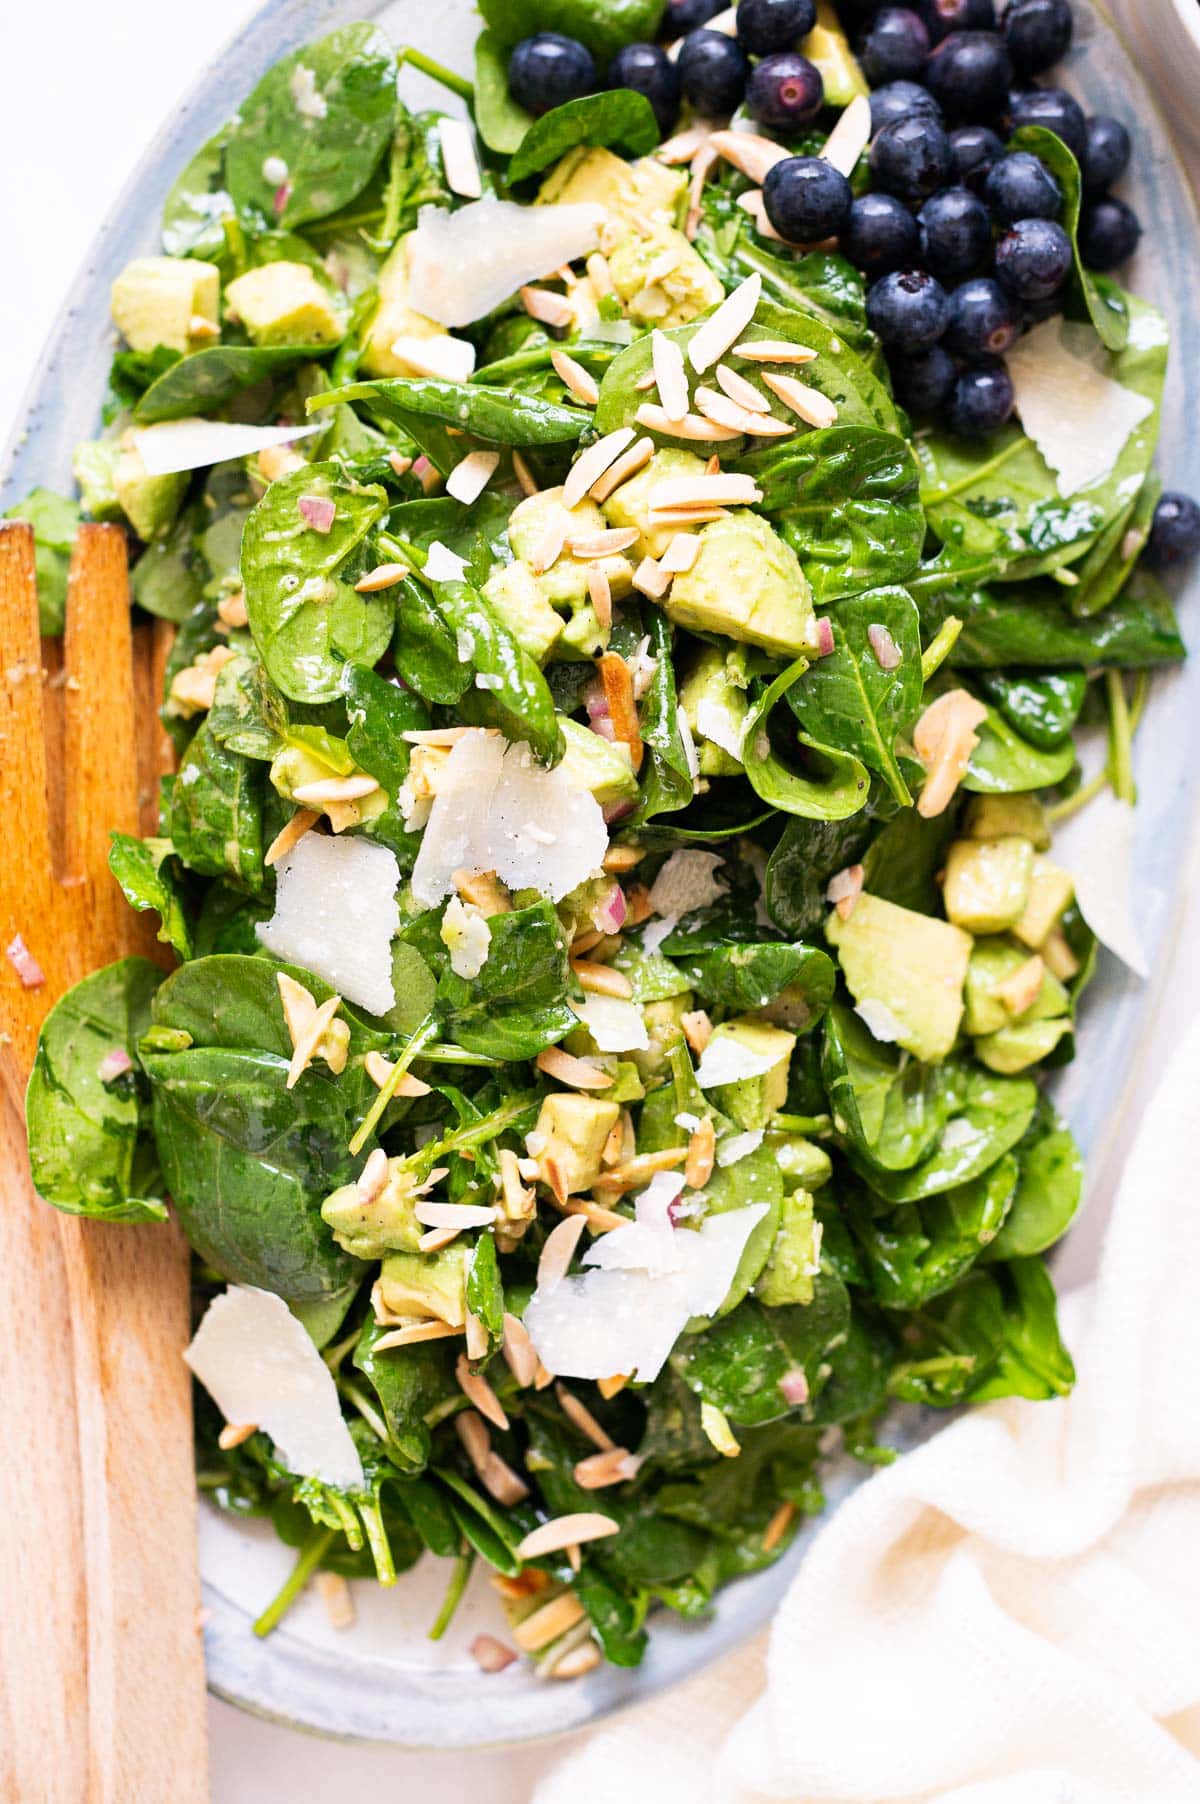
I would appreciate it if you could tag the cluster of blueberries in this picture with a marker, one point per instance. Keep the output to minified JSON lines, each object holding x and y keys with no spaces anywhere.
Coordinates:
{"x":960,"y":238}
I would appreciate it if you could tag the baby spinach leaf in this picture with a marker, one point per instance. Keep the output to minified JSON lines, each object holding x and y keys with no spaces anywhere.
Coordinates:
{"x":666,"y":780}
{"x":806,"y":855}
{"x":425,"y":649}
{"x":891,"y":1108}
{"x":145,"y":869}
{"x":1110,"y":564}
{"x":502,"y":416}
{"x":83,"y":1132}
{"x":304,"y":619}
{"x":615,"y":1617}
{"x":847,"y":500}
{"x":604,"y":29}
{"x":206,"y":380}
{"x":849,"y":700}
{"x":198,"y":203}
{"x":380,"y":714}
{"x":819,"y":797}
{"x":1091,"y":296}
{"x":485,"y":1288}
{"x":217,"y":813}
{"x":822,"y":283}
{"x":739,"y":1362}
{"x":742,"y":976}
{"x":168,"y":578}
{"x":989,"y":1116}
{"x":617,"y":117}
{"x":500,"y":122}
{"x":518,"y":1003}
{"x":248,"y":715}
{"x":1030,"y":626}
{"x":903,"y":862}
{"x":509,"y":690}
{"x":1042,"y":706}
{"x":859,"y":1368}
{"x":1049,"y":1188}
{"x":994,"y":1335}
{"x":919,"y":1250}
{"x":408,"y":1388}
{"x":55,"y":521}
{"x":1003,"y":762}
{"x":326,"y":110}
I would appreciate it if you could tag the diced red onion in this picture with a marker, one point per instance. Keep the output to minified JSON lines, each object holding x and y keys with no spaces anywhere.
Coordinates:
{"x":617,"y":812}
{"x":421,"y":468}
{"x":608,"y":916}
{"x":887,"y":652}
{"x":318,"y":510}
{"x":283,"y":195}
{"x":824,"y":626}
{"x":794,"y":1386}
{"x":599,"y":718}
{"x":24,"y":964}
{"x":491,"y":1655}
{"x":114,"y":1064}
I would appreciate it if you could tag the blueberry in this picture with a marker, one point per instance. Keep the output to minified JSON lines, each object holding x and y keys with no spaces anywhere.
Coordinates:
{"x":1033,"y":259}
{"x":982,"y":322}
{"x":908,"y":308}
{"x":880,"y":234}
{"x":1037,"y":33}
{"x":944,"y":16}
{"x":974,"y":149}
{"x":767,"y":25}
{"x":982,"y":401}
{"x":682,"y":16}
{"x":923,"y":383}
{"x":546,"y":70}
{"x":713,"y":70}
{"x":911,"y":158}
{"x":1108,"y":233}
{"x":806,"y":199}
{"x":1175,"y":534}
{"x":897,"y":99}
{"x":1058,"y":111}
{"x":648,"y":70}
{"x":1021,"y":187}
{"x":956,"y":233}
{"x":785,"y":91}
{"x":895,"y":47}
{"x":969,"y":74}
{"x":1106,"y":153}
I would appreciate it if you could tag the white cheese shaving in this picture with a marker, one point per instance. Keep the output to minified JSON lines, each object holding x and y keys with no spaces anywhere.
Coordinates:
{"x":452,"y":359}
{"x":655,"y":932}
{"x":336,"y":915}
{"x":463,"y":264}
{"x":956,"y":1133}
{"x":497,"y":809}
{"x":738,"y":1146}
{"x":175,"y":445}
{"x":881,"y":1023}
{"x":468,"y":479}
{"x":686,"y":881}
{"x":715,"y":722}
{"x":614,"y":1024}
{"x":726,"y":1061}
{"x":1097,"y":846}
{"x":689,"y":744}
{"x":258,"y":1364}
{"x":443,"y":565}
{"x":648,"y":1243}
{"x":687,"y":1121}
{"x":466,"y":936}
{"x":1071,"y":408}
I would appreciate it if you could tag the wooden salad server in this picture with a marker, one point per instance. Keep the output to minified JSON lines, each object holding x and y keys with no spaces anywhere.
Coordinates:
{"x":101,"y":1661}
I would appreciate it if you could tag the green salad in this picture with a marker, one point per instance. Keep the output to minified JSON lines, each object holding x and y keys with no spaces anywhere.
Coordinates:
{"x":614,"y":941}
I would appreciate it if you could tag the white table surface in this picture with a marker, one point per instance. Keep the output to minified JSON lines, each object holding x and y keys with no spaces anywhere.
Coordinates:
{"x":68,"y":138}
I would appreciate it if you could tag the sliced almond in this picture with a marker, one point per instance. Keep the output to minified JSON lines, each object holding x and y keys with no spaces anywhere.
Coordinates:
{"x":433,"y":1242}
{"x":398,"y":464}
{"x":701,"y":1155}
{"x":234,"y":1434}
{"x":703,"y":164}
{"x":310,"y":1038}
{"x":475,"y":1386}
{"x":453,"y":1215}
{"x":725,"y":412}
{"x":651,"y":579}
{"x":549,"y":547}
{"x":614,"y":1467}
{"x":850,"y":136}
{"x":697,"y":1029}
{"x":778,"y":1526}
{"x":523,"y":474}
{"x":627,"y":465}
{"x":291,"y":834}
{"x":412,"y":1333}
{"x":548,"y":308}
{"x":602,"y":980}
{"x":609,"y":1387}
{"x":609,"y":543}
{"x":773,"y":350}
{"x":379,"y":1069}
{"x":754,"y":203}
{"x":501,"y":1482}
{"x":592,"y":464}
{"x":599,"y":275}
{"x":552,"y":1620}
{"x":725,"y":326}
{"x":683,"y":146}
{"x":338,"y":1599}
{"x":738,"y":389}
{"x":452,"y":359}
{"x":753,"y":155}
{"x":476,"y":1334}
{"x":565,"y":1531}
{"x":577,"y":1411}
{"x":372,"y":1179}
{"x":231,"y":610}
{"x":600,"y":596}
{"x":814,"y":408}
{"x":518,"y":1350}
{"x":472,"y":1431}
{"x":725,"y":490}
{"x":335,"y":789}
{"x":564,"y":1068}
{"x":581,"y":384}
{"x":639,"y":1170}
{"x":577,"y":1661}
{"x":617,"y":680}
{"x":384,"y":576}
{"x":680,"y":555}
{"x":1020,"y":991}
{"x":491,"y":1655}
{"x":459,"y":160}
{"x":944,"y":738}
{"x":691,"y":426}
{"x":670,"y":375}
{"x":559,"y":1250}
{"x":468,"y":479}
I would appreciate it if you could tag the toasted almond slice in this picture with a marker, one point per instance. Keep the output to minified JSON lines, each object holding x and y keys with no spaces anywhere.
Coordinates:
{"x":581,"y":384}
{"x":599,"y":275}
{"x":691,"y":426}
{"x":577,"y":1661}
{"x":592,"y":464}
{"x":336,"y":789}
{"x":565,"y":1531}
{"x":338,"y":1599}
{"x":234,"y":1433}
{"x":399,"y":465}
{"x":444,"y":736}
{"x":727,"y":490}
{"x":1020,"y":991}
{"x":433,"y":1242}
{"x":773,"y":350}
{"x":609,"y":543}
{"x":944,"y":738}
{"x":491,"y":1655}
{"x":543,"y":1378}
{"x":384,"y":576}
{"x":310,"y":1039}
{"x":778,"y":1526}
{"x":701,"y":1155}
{"x":617,"y":679}
{"x":637,"y":905}
{"x":724,"y":327}
{"x":475,"y":1386}
{"x":577,"y":1411}
{"x":619,"y":859}
{"x":670,"y":375}
{"x":609,"y":1387}
{"x":613,"y":1467}
{"x":850,"y":136}
{"x":501,"y":1482}
{"x":558,"y":1250}
{"x":686,"y":516}
{"x":703,"y":164}
{"x":459,"y":160}
{"x":683,"y":146}
{"x":645,"y":383}
{"x":600,"y":596}
{"x":814,"y":408}
{"x":484,"y":889}
{"x":476,"y":1333}
{"x":373,"y":1177}
{"x":291,"y":834}
{"x":232,"y":610}
{"x":565,"y":1068}
{"x":523,"y":474}
{"x":752,"y":202}
{"x":547,"y":307}
{"x":627,"y":465}
{"x":680,"y":555}
{"x":651,"y":579}
{"x":468,"y":479}
{"x":549,"y":547}
{"x":602,"y":980}
{"x":412,"y":1333}
{"x":753,"y":155}
{"x":552,"y":1620}
{"x":697,"y":1029}
{"x":518,"y":1350}
{"x":739,"y":390}
{"x":1059,"y":958}
{"x":379,"y":1069}
{"x":660,"y":269}
{"x":472,"y":1431}
{"x":453,"y":1215}
{"x":529,"y":1583}
{"x":639,"y":1170}
{"x":201,"y":327}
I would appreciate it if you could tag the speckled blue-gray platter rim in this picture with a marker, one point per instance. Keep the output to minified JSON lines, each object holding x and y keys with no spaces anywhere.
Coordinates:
{"x":336,"y":1693}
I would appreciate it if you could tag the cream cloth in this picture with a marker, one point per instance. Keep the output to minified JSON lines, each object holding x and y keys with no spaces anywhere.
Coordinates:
{"x":1009,"y":1615}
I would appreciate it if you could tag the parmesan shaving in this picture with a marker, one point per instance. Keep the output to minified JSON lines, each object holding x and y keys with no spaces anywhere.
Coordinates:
{"x":1071,"y":408}
{"x":336,"y":915}
{"x":727,"y":1061}
{"x":615,"y":1024}
{"x":464,"y":264}
{"x":1097,"y":846}
{"x":686,"y":881}
{"x":176,"y":445}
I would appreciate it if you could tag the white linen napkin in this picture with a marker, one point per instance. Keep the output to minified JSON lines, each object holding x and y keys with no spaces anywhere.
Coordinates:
{"x":1010,"y":1614}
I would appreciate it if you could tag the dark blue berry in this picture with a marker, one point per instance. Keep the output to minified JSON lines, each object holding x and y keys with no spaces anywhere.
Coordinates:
{"x":648,"y":70}
{"x":1056,"y":110}
{"x":956,"y":233}
{"x":767,"y":25}
{"x":547,"y":70}
{"x":1106,"y":153}
{"x":911,"y":158}
{"x":682,"y":16}
{"x":713,"y":70}
{"x":1037,"y":33}
{"x":895,"y":46}
{"x":982,"y":320}
{"x":908,"y":309}
{"x":1020,"y":186}
{"x":924,"y":382}
{"x":974,"y":149}
{"x":806,"y":199}
{"x":1108,"y":233}
{"x":897,"y":99}
{"x":969,"y":74}
{"x":1033,"y":259}
{"x":1175,"y":534}
{"x":982,"y":401}
{"x":785,"y":91}
{"x":880,"y":234}
{"x":944,"y":16}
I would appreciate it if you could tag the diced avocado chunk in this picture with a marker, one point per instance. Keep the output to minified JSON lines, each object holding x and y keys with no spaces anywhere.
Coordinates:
{"x":1051,"y":892}
{"x":1014,"y":1049}
{"x":751,"y":1101}
{"x":432,"y":1285}
{"x":394,"y":319}
{"x":805,"y":1165}
{"x":284,"y":304}
{"x":911,"y":964}
{"x":664,"y":1024}
{"x":993,"y":963}
{"x":95,"y":469}
{"x":662,"y":278}
{"x":386,"y":1224}
{"x":566,"y":581}
{"x":172,"y":301}
{"x":795,"y":1255}
{"x":713,"y":697}
{"x":826,"y":46}
{"x":987,"y":883}
{"x":574,"y":1130}
{"x":630,"y":504}
{"x":747,"y":584}
{"x":149,"y":503}
{"x":583,"y":637}
{"x":516,"y":598}
{"x":999,"y":817}
{"x":629,"y":192}
{"x":297,"y":765}
{"x":600,"y":765}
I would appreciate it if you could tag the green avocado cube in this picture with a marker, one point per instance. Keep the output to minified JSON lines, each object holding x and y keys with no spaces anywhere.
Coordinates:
{"x":747,"y":584}
{"x":601,"y":765}
{"x":662,"y":278}
{"x":515,"y":597}
{"x":664,"y":1024}
{"x":713,"y":697}
{"x":827,"y":46}
{"x":993,"y":963}
{"x":284,"y":304}
{"x":987,"y":883}
{"x":172,"y":301}
{"x":1014,"y":1049}
{"x":751,"y":1101}
{"x":911,"y":966}
{"x":385,"y":1224}
{"x":94,"y":465}
{"x":149,"y":503}
{"x":1051,"y":892}
{"x":629,"y":506}
{"x":804,"y":1163}
{"x":566,"y":581}
{"x":795,"y":1256}
{"x":432,"y":1285}
{"x":394,"y":318}
{"x":999,"y":817}
{"x":632,"y":192}
{"x":572,"y":1130}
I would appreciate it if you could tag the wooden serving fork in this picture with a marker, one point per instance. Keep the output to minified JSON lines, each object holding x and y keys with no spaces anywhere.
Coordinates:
{"x":101,"y":1662}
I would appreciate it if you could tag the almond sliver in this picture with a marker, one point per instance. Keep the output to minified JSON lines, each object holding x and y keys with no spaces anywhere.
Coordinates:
{"x":669,"y":375}
{"x":850,"y":136}
{"x":591,"y":465}
{"x":810,"y":404}
{"x":724,"y":327}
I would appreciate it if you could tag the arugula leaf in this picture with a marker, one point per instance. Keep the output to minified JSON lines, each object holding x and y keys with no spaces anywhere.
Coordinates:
{"x":604,"y":29}
{"x":55,"y":521}
{"x":617,"y":116}
{"x":205,"y":380}
{"x":517,"y":1005}
{"x":849,"y":700}
{"x":500,"y":122}
{"x":1094,"y":296}
{"x":144,"y":869}
{"x":824,"y":798}
{"x":217,"y":813}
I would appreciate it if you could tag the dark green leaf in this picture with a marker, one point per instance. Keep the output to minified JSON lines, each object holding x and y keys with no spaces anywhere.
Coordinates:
{"x":919,"y":1250}
{"x":516,"y":697}
{"x":849,"y":700}
{"x":617,"y":117}
{"x":217,"y":812}
{"x":989,"y":1116}
{"x":604,"y":29}
{"x":198,"y":203}
{"x":1031,"y":627}
{"x":1042,"y":706}
{"x":822,"y":797}
{"x":168,"y":578}
{"x":500,"y":415}
{"x":744,"y":976}
{"x":667,"y":776}
{"x":206,"y":380}
{"x":1049,"y":1189}
{"x":806,"y":856}
{"x":485,"y":1288}
{"x":145,"y":869}
{"x":500,"y":122}
{"x":517,"y":1005}
{"x":409,"y":1382}
{"x":994,"y":1335}
{"x":739,"y":1362}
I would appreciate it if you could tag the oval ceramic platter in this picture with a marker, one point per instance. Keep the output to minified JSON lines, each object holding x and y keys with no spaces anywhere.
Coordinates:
{"x":384,"y":1680}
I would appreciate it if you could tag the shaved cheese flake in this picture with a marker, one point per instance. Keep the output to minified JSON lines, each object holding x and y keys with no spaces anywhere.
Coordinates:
{"x":463,"y":264}
{"x":715,"y":722}
{"x":1071,"y":408}
{"x":726,"y":1061}
{"x":725,"y":326}
{"x":615,"y":1024}
{"x":443,"y":565}
{"x":176,"y":445}
{"x":259,"y":1364}
{"x":336,"y":915}
{"x":881,"y":1023}
{"x":468,"y":479}
{"x":1097,"y":847}
{"x":687,"y":880}
{"x":738,"y":1146}
{"x":649,"y":1243}
{"x":452,"y":359}
{"x":655,"y":932}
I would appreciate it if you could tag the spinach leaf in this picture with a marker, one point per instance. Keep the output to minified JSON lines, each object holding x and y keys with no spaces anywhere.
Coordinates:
{"x":326,"y":110}
{"x":740,"y":976}
{"x":197,"y":205}
{"x":518,"y":1003}
{"x":1042,"y":706}
{"x":305,"y":620}
{"x":1032,"y":627}
{"x":604,"y":29}
{"x":500,"y":122}
{"x":1110,"y":564}
{"x":615,"y":1617}
{"x":820,"y":797}
{"x":1049,"y":1189}
{"x":380,"y":714}
{"x":1004,"y":763}
{"x":903,"y":862}
{"x":822,"y":283}
{"x":248,"y":715}
{"x":994,"y":1335}
{"x":145,"y":870}
{"x":989,"y":1116}
{"x":425,"y":648}
{"x":617,"y":116}
{"x":509,"y":690}
{"x":739,"y":1362}
{"x":847,"y":500}
{"x":168,"y":578}
{"x":1092,"y":296}
{"x":86,"y":1148}
{"x":806,"y":855}
{"x":501,"y":416}
{"x":205,"y":380}
{"x":217,"y":812}
{"x":850,"y":700}
{"x":485,"y":1288}
{"x":409,"y":1382}
{"x":55,"y":521}
{"x":919,"y":1250}
{"x":890,"y":1108}
{"x":666,"y":782}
